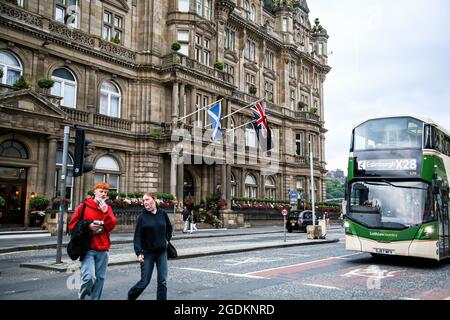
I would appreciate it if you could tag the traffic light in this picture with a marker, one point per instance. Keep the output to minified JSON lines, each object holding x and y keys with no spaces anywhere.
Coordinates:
{"x":80,"y":164}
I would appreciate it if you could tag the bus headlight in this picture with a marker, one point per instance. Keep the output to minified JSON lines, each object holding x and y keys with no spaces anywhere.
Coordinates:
{"x":428,"y":231}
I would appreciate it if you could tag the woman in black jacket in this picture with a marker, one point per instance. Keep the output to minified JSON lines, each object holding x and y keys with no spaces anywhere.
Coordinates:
{"x":153,"y":231}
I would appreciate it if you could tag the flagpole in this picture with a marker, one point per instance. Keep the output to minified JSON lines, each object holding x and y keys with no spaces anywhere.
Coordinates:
{"x":241,"y":125}
{"x":205,"y":107}
{"x":237,"y":111}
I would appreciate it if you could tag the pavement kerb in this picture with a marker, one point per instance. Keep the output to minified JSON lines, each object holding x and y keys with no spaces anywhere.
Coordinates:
{"x":64,"y":267}
{"x":176,"y":237}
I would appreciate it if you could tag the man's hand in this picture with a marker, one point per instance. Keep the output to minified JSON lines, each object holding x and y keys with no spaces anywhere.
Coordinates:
{"x":103,"y":206}
{"x":141,"y":258}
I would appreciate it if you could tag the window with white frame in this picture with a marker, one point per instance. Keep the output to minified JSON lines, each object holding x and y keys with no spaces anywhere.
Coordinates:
{"x":270,"y":188}
{"x":183,"y":5}
{"x":107,"y":170}
{"x":233,"y":186}
{"x":183,"y":40}
{"x":299,"y":186}
{"x":284,"y":25}
{"x":11,"y":67}
{"x":251,"y":188}
{"x":20,"y":3}
{"x":250,"y":50}
{"x":298,"y":144}
{"x":249,"y":82}
{"x":305,"y":75}
{"x":202,"y":49}
{"x":312,"y":144}
{"x":230,"y":38}
{"x":250,"y":136}
{"x":206,"y":117}
{"x":69,"y":176}
{"x":65,"y":86}
{"x":203,"y":8}
{"x":110,"y":99}
{"x":112,"y":27}
{"x":269,"y":60}
{"x":66,"y":11}
{"x":292,"y":99}
{"x":268,"y":90}
{"x":231,"y":132}
{"x":252,"y":14}
{"x":228,"y":68}
{"x":292,"y":72}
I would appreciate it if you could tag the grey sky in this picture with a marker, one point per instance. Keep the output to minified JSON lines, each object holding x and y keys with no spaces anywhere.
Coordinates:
{"x":389,"y":57}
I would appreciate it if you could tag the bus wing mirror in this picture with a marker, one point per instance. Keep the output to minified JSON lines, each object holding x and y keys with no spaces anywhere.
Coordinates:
{"x":434,"y":187}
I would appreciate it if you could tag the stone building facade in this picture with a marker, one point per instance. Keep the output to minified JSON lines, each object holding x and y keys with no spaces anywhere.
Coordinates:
{"x":117,"y":76}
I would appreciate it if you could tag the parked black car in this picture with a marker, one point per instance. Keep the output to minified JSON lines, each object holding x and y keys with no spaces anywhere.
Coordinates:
{"x":299,"y":220}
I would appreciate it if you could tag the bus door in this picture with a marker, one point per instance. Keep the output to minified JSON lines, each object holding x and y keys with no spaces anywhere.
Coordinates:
{"x":442,"y":204}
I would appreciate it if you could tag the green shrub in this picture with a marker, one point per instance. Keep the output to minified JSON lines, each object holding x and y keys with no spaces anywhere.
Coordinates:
{"x":21,"y":83}
{"x":176,"y":46}
{"x":122,"y":195}
{"x":90,"y":193}
{"x":1,"y":74}
{"x":2,"y":201}
{"x":39,"y":202}
{"x":219,"y":65}
{"x":46,"y":83}
{"x":112,"y":195}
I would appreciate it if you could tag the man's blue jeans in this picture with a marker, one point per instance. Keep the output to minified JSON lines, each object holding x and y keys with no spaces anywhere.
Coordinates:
{"x":150,"y":259}
{"x":93,"y":272}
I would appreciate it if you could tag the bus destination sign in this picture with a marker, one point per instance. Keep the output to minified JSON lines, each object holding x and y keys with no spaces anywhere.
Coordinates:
{"x":388,"y":165}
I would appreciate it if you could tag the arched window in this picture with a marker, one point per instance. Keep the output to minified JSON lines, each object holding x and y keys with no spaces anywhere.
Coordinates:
{"x":247,"y":8}
{"x":65,"y":86}
{"x":69,"y":177}
{"x":270,"y":188}
{"x":250,"y":136}
{"x":107,"y":170}
{"x":11,"y":67}
{"x":231,"y":132}
{"x":110,"y":99}
{"x":13,"y":149}
{"x":251,"y":187}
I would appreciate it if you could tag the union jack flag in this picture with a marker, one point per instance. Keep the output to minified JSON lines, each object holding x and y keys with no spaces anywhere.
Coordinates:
{"x":262,"y":125}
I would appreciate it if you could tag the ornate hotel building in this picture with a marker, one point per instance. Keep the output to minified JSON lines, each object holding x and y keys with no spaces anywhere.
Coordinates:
{"x":117,"y":75}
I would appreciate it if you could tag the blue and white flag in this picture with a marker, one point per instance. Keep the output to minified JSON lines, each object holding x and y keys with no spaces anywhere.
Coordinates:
{"x":215,"y":114}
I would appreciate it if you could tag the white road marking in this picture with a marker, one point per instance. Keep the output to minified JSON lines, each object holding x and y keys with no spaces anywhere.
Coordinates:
{"x":322,"y":286}
{"x":408,"y":298}
{"x":305,"y":263}
{"x":236,"y":262}
{"x":297,"y":255}
{"x":222,"y":273}
{"x":23,"y":236}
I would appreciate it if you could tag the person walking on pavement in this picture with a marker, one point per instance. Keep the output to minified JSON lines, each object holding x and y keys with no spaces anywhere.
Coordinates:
{"x":95,"y":262}
{"x":153,"y":231}
{"x":193,"y":222}
{"x":186,"y":215}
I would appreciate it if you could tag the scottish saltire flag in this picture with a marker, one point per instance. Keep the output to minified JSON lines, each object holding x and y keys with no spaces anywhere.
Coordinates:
{"x":262,"y":125}
{"x":215,"y":114}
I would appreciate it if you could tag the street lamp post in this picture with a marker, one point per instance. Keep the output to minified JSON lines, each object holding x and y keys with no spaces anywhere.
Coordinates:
{"x":62,"y":194}
{"x":313,"y":200}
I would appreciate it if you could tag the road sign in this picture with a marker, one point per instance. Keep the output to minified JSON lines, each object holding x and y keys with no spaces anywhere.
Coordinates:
{"x":284,"y":212}
{"x":293,"y":196}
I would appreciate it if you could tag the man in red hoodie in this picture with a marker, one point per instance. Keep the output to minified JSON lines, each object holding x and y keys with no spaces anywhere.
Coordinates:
{"x":93,"y":266}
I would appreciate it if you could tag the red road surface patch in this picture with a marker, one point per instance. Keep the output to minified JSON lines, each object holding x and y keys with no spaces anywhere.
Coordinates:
{"x":290,"y":272}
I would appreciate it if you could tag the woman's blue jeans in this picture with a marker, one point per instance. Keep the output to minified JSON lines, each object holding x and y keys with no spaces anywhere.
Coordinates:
{"x":150,"y":259}
{"x":93,"y":273}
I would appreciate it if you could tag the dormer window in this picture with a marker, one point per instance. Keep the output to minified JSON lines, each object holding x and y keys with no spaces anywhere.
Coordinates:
{"x":66,"y":11}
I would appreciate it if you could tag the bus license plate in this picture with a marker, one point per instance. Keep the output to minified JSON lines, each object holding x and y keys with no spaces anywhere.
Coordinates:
{"x":385,"y":251}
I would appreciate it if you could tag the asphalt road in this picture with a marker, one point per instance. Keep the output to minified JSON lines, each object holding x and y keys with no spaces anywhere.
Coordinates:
{"x":318,"y":272}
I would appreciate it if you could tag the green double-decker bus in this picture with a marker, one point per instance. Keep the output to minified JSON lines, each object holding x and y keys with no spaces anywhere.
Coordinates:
{"x":397,"y":189}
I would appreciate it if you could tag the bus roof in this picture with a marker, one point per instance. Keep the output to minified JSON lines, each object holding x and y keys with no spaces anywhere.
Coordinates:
{"x":421,"y":118}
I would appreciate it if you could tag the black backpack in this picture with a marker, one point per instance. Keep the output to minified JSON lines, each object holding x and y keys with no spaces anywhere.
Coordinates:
{"x":80,"y":240}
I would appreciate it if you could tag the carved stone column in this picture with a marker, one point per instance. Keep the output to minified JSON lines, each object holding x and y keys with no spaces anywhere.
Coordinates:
{"x":175,"y":101}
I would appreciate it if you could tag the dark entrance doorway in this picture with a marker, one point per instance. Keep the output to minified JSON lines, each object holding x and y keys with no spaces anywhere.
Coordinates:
{"x":188,"y":186}
{"x":13,"y":190}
